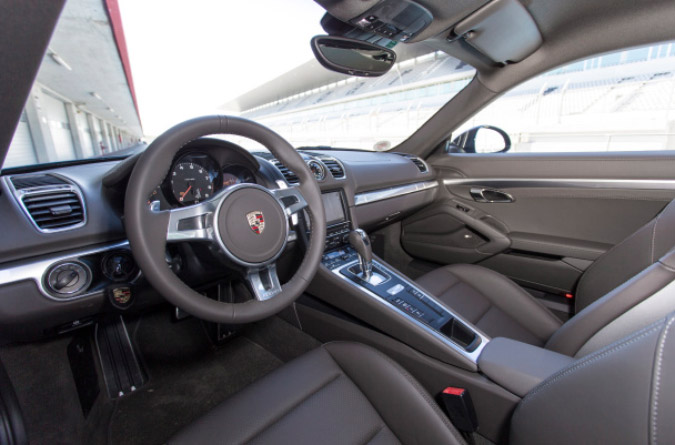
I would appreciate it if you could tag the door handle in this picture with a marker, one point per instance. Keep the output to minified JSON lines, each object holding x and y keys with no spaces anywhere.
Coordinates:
{"x":490,"y":195}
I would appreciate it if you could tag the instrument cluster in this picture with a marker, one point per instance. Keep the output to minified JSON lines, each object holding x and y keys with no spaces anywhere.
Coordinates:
{"x":197,"y":176}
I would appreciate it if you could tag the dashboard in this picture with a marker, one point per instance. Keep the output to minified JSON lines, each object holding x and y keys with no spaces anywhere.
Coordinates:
{"x":61,"y":274}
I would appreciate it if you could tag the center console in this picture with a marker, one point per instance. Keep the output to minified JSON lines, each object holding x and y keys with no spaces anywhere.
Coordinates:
{"x":350,"y":259}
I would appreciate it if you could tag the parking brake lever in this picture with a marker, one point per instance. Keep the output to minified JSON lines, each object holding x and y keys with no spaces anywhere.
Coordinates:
{"x":359,"y":240}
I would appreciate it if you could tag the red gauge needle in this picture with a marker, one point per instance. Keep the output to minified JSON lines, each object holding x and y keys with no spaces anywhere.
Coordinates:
{"x":182,"y":195}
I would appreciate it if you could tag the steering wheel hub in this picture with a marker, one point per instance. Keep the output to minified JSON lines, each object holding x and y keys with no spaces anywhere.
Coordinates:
{"x":252,"y":225}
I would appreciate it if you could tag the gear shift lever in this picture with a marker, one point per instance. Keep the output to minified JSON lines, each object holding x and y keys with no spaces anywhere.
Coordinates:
{"x":359,"y":240}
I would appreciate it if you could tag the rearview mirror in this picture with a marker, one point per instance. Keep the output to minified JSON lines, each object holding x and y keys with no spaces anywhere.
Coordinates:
{"x":353,"y":57}
{"x":481,"y":139}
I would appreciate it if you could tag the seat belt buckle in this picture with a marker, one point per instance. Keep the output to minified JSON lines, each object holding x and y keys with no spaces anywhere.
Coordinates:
{"x":460,"y":410}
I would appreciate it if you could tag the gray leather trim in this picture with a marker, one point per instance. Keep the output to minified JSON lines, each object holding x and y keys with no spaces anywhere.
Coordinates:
{"x":339,"y":393}
{"x":611,"y":396}
{"x":570,"y":338}
{"x":649,"y":310}
{"x":517,"y":366}
{"x":497,"y":305}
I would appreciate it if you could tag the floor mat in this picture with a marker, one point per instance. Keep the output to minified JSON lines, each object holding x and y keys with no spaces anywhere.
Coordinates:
{"x":44,"y":384}
{"x":188,"y":377}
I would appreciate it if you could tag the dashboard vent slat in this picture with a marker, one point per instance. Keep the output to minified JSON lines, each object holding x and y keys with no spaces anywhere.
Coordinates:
{"x":421,"y":166}
{"x":31,"y":181}
{"x":54,"y":210}
{"x":419,"y":163}
{"x":291,"y":177}
{"x":335,"y":168}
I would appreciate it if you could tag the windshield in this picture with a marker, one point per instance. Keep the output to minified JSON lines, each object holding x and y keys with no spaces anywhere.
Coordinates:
{"x":120,"y":72}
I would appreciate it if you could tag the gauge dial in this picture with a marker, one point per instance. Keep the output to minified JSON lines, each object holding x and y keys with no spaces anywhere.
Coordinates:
{"x":190,"y":183}
{"x":237,"y":174}
{"x":317,"y":169}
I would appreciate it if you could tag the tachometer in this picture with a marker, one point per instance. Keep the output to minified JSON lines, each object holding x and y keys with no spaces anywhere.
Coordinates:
{"x":191,"y":183}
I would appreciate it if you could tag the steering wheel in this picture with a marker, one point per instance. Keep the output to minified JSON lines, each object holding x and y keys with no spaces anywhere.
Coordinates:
{"x":247,"y":223}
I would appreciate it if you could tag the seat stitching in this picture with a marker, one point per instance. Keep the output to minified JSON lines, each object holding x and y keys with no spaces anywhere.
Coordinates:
{"x":292,"y":408}
{"x":374,"y":435}
{"x":590,"y":361}
{"x":657,"y":381}
{"x":416,"y":386}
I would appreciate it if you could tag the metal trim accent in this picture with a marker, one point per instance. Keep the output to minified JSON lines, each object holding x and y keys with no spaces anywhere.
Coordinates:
{"x":36,"y":269}
{"x":393,"y":192}
{"x":70,"y":187}
{"x":471,"y":356}
{"x":499,"y":183}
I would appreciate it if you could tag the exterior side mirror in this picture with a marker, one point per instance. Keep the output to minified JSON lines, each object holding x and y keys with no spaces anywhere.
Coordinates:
{"x":353,"y":57}
{"x":481,"y":139}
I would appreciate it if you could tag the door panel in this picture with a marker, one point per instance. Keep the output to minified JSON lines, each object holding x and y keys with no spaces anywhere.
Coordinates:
{"x":566,"y":211}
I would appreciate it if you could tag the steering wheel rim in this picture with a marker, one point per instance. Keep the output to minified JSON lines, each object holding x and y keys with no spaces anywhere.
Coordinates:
{"x":148,"y":229}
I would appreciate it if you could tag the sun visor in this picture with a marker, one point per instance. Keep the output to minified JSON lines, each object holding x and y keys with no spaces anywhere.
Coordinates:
{"x":502,"y":30}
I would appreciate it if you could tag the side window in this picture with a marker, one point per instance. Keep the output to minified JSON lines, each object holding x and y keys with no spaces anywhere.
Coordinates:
{"x":621,"y":101}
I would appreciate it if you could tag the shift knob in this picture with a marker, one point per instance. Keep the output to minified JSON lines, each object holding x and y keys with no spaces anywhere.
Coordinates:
{"x":359,"y":240}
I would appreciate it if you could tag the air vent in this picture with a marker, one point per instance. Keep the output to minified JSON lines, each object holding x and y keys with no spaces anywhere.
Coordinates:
{"x":60,"y":208}
{"x":291,"y":178}
{"x":336,"y":169}
{"x":31,"y":181}
{"x":421,"y":166}
{"x":419,"y":163}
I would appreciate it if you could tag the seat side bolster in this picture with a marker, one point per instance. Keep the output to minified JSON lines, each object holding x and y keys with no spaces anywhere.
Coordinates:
{"x":407,"y":409}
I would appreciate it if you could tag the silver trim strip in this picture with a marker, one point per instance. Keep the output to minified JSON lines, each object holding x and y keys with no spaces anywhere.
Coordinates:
{"x":472,"y":356}
{"x":634,"y":184}
{"x":35,"y":269}
{"x":393,"y":192}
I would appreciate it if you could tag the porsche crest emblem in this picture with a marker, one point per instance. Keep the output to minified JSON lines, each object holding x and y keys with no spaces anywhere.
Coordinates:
{"x":256,"y":221}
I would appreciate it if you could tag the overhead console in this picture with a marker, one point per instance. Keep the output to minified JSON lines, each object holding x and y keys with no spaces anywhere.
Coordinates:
{"x":384,"y":22}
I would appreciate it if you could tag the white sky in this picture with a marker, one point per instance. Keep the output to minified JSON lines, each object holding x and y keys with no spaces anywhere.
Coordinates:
{"x":189,"y":57}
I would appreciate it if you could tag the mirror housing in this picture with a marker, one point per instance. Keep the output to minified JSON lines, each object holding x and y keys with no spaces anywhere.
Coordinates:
{"x":480,"y":139}
{"x":353,"y":57}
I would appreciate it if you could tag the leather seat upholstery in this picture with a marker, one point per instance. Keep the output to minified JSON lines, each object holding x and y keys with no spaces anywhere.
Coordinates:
{"x":620,"y":279}
{"x":340,"y":393}
{"x":347,"y":393}
{"x":492,"y":302}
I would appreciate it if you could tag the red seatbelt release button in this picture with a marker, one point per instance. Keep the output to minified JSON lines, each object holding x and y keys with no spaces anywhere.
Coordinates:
{"x":458,"y":405}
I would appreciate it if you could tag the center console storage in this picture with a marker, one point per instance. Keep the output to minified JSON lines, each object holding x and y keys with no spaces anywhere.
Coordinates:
{"x":402,"y":295}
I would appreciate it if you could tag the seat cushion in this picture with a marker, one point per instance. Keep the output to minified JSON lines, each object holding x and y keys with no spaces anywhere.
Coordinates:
{"x":492,"y":302}
{"x":340,"y":393}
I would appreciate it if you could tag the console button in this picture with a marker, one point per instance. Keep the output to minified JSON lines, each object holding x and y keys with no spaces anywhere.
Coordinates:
{"x":395,"y":289}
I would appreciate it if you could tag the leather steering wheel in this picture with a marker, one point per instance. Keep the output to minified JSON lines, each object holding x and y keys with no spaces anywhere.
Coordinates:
{"x":246,"y":223}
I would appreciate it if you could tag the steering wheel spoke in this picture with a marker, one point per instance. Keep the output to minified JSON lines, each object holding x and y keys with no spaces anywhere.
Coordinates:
{"x":193,"y":223}
{"x":291,"y":198}
{"x":264,"y":282}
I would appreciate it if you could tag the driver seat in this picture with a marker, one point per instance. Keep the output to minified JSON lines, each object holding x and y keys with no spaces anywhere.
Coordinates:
{"x":348,"y":393}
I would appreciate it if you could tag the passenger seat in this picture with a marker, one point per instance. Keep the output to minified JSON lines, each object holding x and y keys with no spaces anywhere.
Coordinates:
{"x":620,"y":279}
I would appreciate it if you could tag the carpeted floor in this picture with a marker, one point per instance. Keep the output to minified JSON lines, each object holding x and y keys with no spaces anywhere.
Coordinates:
{"x":187,"y":377}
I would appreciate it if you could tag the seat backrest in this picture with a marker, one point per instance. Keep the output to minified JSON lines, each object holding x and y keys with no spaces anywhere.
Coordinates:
{"x":623,"y":393}
{"x":628,"y":258}
{"x":644,"y":298}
